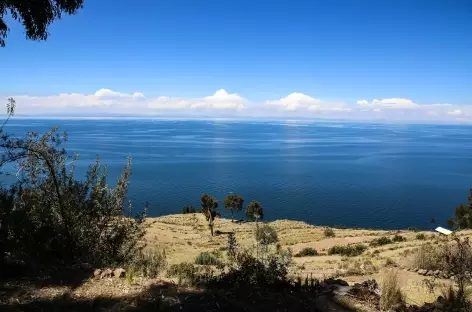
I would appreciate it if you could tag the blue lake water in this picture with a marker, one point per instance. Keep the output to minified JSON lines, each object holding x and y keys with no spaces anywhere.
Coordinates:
{"x":352,"y":174}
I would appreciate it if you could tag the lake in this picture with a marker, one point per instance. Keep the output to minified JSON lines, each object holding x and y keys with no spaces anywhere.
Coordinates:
{"x":327,"y":173}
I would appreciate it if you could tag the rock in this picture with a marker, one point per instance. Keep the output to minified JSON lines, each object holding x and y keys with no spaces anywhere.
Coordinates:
{"x":415,"y":270}
{"x":422,"y":272}
{"x":437,"y":272}
{"x":429,"y":273}
{"x":452,"y":277}
{"x":169,"y":301}
{"x":97,"y":273}
{"x":119,"y":273}
{"x":106,"y":273}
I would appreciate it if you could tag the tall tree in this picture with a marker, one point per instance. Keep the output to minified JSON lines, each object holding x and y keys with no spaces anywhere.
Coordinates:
{"x":254,"y":211}
{"x":233,"y":203}
{"x":35,"y":15}
{"x":209,"y":205}
{"x":463,"y":215}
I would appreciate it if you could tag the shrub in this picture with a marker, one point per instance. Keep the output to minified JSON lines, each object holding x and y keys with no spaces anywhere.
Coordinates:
{"x":381,"y":241}
{"x":398,"y":239}
{"x":349,"y":250}
{"x":463,"y":215}
{"x":255,"y":211}
{"x":232,"y":245}
{"x":184,"y":272}
{"x":430,"y":257}
{"x":420,"y":236}
{"x":249,"y":270}
{"x":206,"y":258}
{"x":391,"y":294}
{"x":188,"y":209}
{"x":58,"y":219}
{"x":307,"y":252}
{"x":329,"y":233}
{"x":149,"y":263}
{"x":266,"y":235}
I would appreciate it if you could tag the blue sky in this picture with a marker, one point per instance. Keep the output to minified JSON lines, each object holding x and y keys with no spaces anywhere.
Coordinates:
{"x":350,"y":54}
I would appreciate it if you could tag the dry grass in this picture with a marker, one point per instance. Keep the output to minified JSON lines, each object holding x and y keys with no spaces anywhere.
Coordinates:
{"x":391,"y":293}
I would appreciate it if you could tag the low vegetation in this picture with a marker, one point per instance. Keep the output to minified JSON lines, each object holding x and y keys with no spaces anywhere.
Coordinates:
{"x":206,"y":258}
{"x":391,"y":292}
{"x":306,"y":252}
{"x":349,"y":250}
{"x":329,"y":232}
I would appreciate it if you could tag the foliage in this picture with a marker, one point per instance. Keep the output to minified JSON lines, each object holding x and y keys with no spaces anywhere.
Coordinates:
{"x":188,"y":209}
{"x":420,"y":236}
{"x":209,"y":205}
{"x":232,"y":245}
{"x":233,"y":203}
{"x":329,"y":232}
{"x":149,"y":263}
{"x":249,"y":270}
{"x":398,"y":239}
{"x":306,"y":252}
{"x":35,"y":15}
{"x":463,"y":215}
{"x":255,"y":211}
{"x":185,"y":272}
{"x":266,"y":235}
{"x":206,"y":258}
{"x":349,"y":250}
{"x":391,"y":293}
{"x":381,"y":241}
{"x":459,"y":262}
{"x":52,"y":217}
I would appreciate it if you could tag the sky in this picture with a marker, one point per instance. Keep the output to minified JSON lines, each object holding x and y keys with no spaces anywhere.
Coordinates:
{"x":405,"y":60}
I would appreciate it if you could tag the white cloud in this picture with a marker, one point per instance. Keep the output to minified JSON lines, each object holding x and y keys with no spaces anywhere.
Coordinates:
{"x":224,"y":104}
{"x":455,"y":112}
{"x":295,"y":101}
{"x":391,"y":103}
{"x":299,"y":102}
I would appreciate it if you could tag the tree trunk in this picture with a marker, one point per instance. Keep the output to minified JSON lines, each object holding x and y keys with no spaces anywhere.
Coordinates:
{"x":211,"y":224}
{"x":232,"y":216}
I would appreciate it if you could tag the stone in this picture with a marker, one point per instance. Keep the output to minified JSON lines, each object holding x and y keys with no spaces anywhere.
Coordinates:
{"x":415,"y":270}
{"x":422,"y":271}
{"x":437,"y":272}
{"x":452,"y":277}
{"x":119,"y":273}
{"x":106,"y":273}
{"x":97,"y":273}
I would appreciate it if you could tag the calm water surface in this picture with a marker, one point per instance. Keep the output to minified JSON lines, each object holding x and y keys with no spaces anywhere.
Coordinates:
{"x":366,"y":175}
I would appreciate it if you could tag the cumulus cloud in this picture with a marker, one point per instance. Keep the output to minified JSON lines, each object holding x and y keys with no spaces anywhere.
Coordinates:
{"x":301,"y":102}
{"x":221,"y":103}
{"x":389,"y":103}
{"x":455,"y":112}
{"x":109,"y":101}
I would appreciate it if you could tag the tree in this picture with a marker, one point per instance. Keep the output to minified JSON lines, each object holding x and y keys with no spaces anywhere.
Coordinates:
{"x":209,"y":205}
{"x":463,"y":215}
{"x":233,"y":203}
{"x":254,"y":211}
{"x":53,"y":217}
{"x":35,"y":15}
{"x":188,"y":209}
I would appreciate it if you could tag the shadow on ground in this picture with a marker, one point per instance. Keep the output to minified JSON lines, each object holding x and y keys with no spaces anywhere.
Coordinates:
{"x":166,"y":297}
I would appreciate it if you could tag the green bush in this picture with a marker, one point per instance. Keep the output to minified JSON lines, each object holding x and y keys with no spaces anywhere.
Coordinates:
{"x":206,"y":258}
{"x":398,"y":239}
{"x":329,"y":233}
{"x":266,"y":235}
{"x":420,"y":236}
{"x":188,"y":209}
{"x":381,"y":241}
{"x":49,"y":217}
{"x":306,"y":252}
{"x":248,"y":270}
{"x":349,"y":250}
